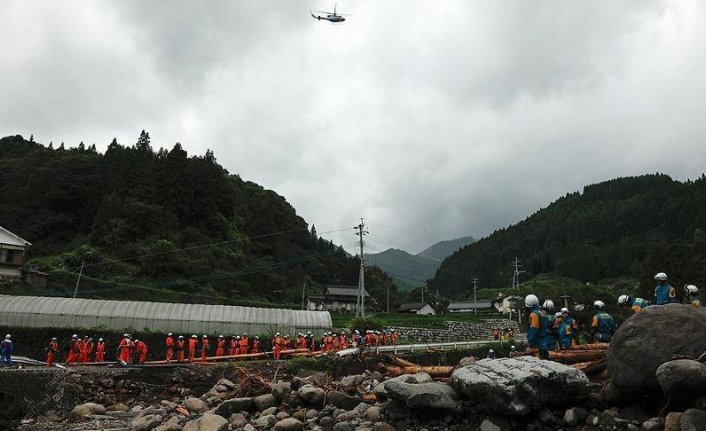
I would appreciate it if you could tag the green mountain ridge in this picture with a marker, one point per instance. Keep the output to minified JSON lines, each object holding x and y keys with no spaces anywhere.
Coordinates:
{"x":164,"y":226}
{"x":443,"y":249}
{"x":630,"y":227}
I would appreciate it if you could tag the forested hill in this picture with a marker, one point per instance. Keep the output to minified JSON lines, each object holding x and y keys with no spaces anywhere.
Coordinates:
{"x":633,"y":227}
{"x":162,"y":225}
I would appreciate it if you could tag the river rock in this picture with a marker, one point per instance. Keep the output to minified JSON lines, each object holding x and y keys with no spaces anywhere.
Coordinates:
{"x":227,"y":383}
{"x":354,"y":380}
{"x":173,"y":424}
{"x":341,"y":400}
{"x":146,"y":423}
{"x":235,"y":405}
{"x":195,"y":405}
{"x":281,"y":389}
{"x":423,"y":395}
{"x":265,"y":421}
{"x":211,"y":422}
{"x":87,"y":409}
{"x":372,"y":414}
{"x":517,"y":386}
{"x":648,"y":339}
{"x":289,"y":424}
{"x":693,"y":420}
{"x":495,"y":424}
{"x":264,"y":402}
{"x":312,"y":395}
{"x":682,"y":378}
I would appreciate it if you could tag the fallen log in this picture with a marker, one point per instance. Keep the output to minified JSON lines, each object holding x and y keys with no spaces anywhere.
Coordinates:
{"x":433,"y":371}
{"x":596,"y":346}
{"x":577,"y":356}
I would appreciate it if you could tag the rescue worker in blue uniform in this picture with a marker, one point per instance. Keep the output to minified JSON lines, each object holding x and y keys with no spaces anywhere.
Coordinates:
{"x":602,"y":324}
{"x":564,"y":331}
{"x":6,"y":351}
{"x":572,"y":323}
{"x":664,"y":292}
{"x":635,"y":304}
{"x":552,"y":328}
{"x":692,"y":295}
{"x":538,"y":328}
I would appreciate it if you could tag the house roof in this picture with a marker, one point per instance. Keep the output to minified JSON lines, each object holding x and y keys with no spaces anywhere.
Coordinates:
{"x":344,"y":291}
{"x":7,"y":237}
{"x":413,"y":306}
{"x":469,"y":305}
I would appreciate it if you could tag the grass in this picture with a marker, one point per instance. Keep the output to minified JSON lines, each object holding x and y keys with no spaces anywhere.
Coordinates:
{"x":344,"y":320}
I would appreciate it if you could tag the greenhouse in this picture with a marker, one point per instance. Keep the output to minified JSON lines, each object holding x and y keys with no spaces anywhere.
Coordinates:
{"x":48,"y":312}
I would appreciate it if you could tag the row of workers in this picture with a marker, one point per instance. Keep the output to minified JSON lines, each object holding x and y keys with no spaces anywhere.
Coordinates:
{"x":664,"y":294}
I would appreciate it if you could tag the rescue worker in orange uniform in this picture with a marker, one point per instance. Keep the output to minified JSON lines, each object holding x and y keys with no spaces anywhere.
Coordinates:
{"x":193,"y":343}
{"x":133,"y":349}
{"x":277,"y":346}
{"x":169,"y":342}
{"x":124,"y":350}
{"x":73,"y":349}
{"x":89,"y":350}
{"x":256,"y":345}
{"x":204,"y":347}
{"x":244,"y":344}
{"x":395,"y":336}
{"x":221,"y":346}
{"x":233,"y":346}
{"x":141,"y":349}
{"x":100,"y":350}
{"x":82,"y":351}
{"x":180,"y":347}
{"x":52,"y":350}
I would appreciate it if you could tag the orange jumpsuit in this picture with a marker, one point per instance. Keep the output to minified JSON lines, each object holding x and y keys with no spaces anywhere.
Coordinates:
{"x":256,"y":346}
{"x":233,"y":347}
{"x":169,"y":342}
{"x":193,"y":342}
{"x":100,"y":351}
{"x":277,"y":347}
{"x":204,"y":348}
{"x":395,"y":337}
{"x":180,"y":350}
{"x":132,"y":348}
{"x":52,"y":350}
{"x":89,"y":350}
{"x":221,"y":347}
{"x":343,"y":342}
{"x":244,"y":343}
{"x":74,"y":351}
{"x":83,"y":352}
{"x":141,"y":349}
{"x":124,"y":348}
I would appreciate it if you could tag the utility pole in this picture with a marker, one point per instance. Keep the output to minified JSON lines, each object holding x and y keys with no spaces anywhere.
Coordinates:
{"x":422,"y":293}
{"x":303,"y":290}
{"x":360,"y":303}
{"x":475,"y":300}
{"x":516,"y":273}
{"x":387,"y":308}
{"x":79,"y":278}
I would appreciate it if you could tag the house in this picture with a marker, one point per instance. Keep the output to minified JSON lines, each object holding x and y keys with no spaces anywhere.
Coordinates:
{"x":506,"y":303}
{"x":338,"y":298}
{"x":12,"y":253}
{"x":469,"y":307}
{"x":417,"y":308}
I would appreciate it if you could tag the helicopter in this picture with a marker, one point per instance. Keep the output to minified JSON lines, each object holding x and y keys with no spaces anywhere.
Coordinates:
{"x":330,"y":16}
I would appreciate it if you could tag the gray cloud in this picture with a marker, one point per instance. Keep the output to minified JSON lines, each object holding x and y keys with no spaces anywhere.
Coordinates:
{"x":432,"y":120}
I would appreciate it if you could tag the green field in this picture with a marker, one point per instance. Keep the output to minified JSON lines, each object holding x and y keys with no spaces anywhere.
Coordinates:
{"x":344,"y":320}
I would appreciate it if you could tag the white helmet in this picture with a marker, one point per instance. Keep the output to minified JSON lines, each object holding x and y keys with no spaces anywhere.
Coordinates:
{"x":491,"y":351}
{"x":169,"y":334}
{"x":623,"y":299}
{"x":100,"y":339}
{"x":559,"y":314}
{"x":691,"y":289}
{"x":531,"y":300}
{"x":220,"y":336}
{"x":512,"y":347}
{"x":548,"y":304}
{"x":564,"y":310}
{"x":599,"y":304}
{"x":661,"y":276}
{"x":7,"y":337}
{"x":74,"y":336}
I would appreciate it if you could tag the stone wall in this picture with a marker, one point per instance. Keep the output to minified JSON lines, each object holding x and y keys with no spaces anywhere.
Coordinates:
{"x":456,"y":331}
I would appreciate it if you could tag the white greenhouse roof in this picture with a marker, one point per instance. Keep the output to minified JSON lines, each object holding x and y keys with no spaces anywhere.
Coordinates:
{"x":49,"y":312}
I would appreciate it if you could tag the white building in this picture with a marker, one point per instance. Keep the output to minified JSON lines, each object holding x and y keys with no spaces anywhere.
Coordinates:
{"x":469,"y":307}
{"x":338,"y":298}
{"x":417,"y":308}
{"x":12,"y":253}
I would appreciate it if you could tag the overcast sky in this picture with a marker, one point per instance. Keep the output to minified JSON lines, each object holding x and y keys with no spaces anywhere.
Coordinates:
{"x":432,"y":120}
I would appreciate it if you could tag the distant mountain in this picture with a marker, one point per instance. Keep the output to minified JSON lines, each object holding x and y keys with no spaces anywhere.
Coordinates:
{"x":408,"y":270}
{"x":443,"y":249}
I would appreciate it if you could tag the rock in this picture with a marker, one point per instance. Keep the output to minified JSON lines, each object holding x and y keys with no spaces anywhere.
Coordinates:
{"x":264,"y":402}
{"x":312,"y":395}
{"x":517,"y":386}
{"x":571,"y":417}
{"x":220,"y":388}
{"x":546,"y":416}
{"x":673,"y":421}
{"x":341,"y":400}
{"x":380,"y":392}
{"x":211,"y":422}
{"x":238,"y":420}
{"x":280,"y":389}
{"x":191,"y":426}
{"x":227,"y":383}
{"x":648,"y":339}
{"x":591,"y":420}
{"x":282,"y":415}
{"x":300,"y":414}
{"x":289,"y":424}
{"x":87,"y":409}
{"x":311,"y":414}
{"x":119,"y":407}
{"x":327,"y":422}
{"x":298,"y":382}
{"x":423,"y":395}
{"x":372,"y":414}
{"x":173,"y":424}
{"x":168,"y":405}
{"x":342,"y":426}
{"x":354,"y":380}
{"x":235,"y":405}
{"x":383,"y":426}
{"x":652,"y":424}
{"x":344,"y":416}
{"x":195,"y":405}
{"x":495,"y":424}
{"x":146,"y":423}
{"x":693,"y":420}
{"x":633,"y":413}
{"x":682,"y":379}
{"x":151,"y":410}
{"x":265,"y":421}
{"x":249,"y":427}
{"x":468,"y":360}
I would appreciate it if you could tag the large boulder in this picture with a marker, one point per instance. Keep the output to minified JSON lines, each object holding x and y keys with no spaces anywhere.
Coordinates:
{"x":342,"y":400}
{"x":693,"y":420}
{"x":431,"y":395}
{"x":682,"y":379}
{"x":235,"y":405}
{"x":87,"y":409}
{"x":312,"y":395}
{"x":650,"y":338}
{"x":517,"y":386}
{"x":195,"y":405}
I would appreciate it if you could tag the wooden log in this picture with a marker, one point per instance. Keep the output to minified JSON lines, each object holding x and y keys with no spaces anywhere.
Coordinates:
{"x":596,"y":346}
{"x":577,"y":356}
{"x":433,"y":371}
